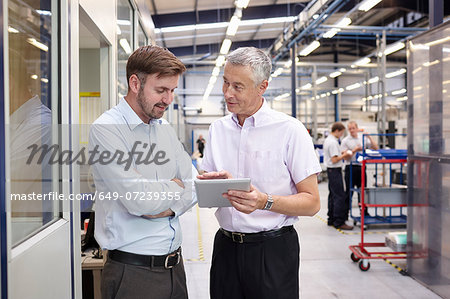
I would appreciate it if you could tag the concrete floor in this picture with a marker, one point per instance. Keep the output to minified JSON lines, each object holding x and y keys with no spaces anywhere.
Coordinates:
{"x":326,"y":270}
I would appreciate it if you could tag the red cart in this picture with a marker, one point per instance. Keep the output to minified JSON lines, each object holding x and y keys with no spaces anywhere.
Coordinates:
{"x":360,"y":252}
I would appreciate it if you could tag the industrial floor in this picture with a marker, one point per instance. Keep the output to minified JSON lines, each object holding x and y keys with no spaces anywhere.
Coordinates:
{"x":326,"y":270}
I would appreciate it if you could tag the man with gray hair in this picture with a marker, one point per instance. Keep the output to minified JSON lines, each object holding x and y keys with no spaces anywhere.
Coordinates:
{"x":256,"y":250}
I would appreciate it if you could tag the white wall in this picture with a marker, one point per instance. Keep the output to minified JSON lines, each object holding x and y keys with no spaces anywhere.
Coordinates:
{"x":103,"y":13}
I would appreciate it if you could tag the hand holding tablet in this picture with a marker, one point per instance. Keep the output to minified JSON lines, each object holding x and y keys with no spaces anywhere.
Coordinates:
{"x":209,"y":192}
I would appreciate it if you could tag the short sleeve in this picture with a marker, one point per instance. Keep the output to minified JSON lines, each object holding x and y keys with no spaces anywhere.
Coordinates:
{"x":301,"y":160}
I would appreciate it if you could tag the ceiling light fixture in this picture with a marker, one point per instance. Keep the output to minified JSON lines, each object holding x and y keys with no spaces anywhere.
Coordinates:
{"x":233,"y":26}
{"x":308,"y":49}
{"x":321,"y":80}
{"x":360,"y":62}
{"x":12,"y":30}
{"x":37,"y":44}
{"x":241,"y":3}
{"x":306,"y":86}
{"x":125,"y":45}
{"x":220,"y":60}
{"x":368,"y":4}
{"x":353,"y":86}
{"x":395,"y":73}
{"x":397,"y":92}
{"x":393,"y":48}
{"x":226,"y":44}
{"x":335,"y":74}
{"x":342,"y":23}
{"x":373,"y":80}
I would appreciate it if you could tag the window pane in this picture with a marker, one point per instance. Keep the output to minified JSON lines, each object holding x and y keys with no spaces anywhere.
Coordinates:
{"x":31,"y":34}
{"x":124,"y":43}
{"x":142,"y":38}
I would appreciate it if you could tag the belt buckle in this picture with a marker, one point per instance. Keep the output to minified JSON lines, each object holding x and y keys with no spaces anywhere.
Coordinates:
{"x":237,"y":237}
{"x":166,"y":262}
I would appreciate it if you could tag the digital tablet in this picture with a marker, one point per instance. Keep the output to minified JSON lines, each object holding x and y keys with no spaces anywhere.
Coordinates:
{"x":209,"y":192}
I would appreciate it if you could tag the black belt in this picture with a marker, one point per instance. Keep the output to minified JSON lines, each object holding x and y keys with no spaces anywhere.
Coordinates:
{"x":167,"y":261}
{"x":256,"y":237}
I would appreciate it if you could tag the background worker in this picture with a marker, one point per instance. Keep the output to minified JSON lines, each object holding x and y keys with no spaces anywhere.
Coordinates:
{"x":332,"y":158}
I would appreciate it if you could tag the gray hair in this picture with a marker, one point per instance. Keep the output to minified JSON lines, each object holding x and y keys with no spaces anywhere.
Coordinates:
{"x":258,"y":61}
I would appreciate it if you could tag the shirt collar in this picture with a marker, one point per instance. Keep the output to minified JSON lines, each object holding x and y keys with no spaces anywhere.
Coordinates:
{"x":132,"y":119}
{"x":257,"y":118}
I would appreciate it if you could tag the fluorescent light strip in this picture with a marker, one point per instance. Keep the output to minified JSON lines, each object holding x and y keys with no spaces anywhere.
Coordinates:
{"x":125,"y":45}
{"x":277,"y":72}
{"x":401,"y":99}
{"x":306,"y":86}
{"x":283,"y":96}
{"x":124,"y":22}
{"x":362,"y":61}
{"x":438,"y":41}
{"x":268,"y":21}
{"x":216,"y":71}
{"x":44,"y":12}
{"x":12,"y":30}
{"x":37,"y":44}
{"x":373,"y":80}
{"x":397,"y":92}
{"x":368,"y":4}
{"x":394,"y":48}
{"x":335,"y":74}
{"x":427,"y":64}
{"x":223,"y":24}
{"x":212,"y":80}
{"x":308,"y":49}
{"x":395,"y":73}
{"x":220,"y":60}
{"x":242,"y":3}
{"x":321,"y":80}
{"x":226,"y":44}
{"x":233,"y":26}
{"x":342,"y":23}
{"x":353,"y":86}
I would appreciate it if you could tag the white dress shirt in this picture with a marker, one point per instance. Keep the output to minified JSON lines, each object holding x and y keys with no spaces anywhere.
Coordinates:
{"x":350,"y":142}
{"x":121,"y":224}
{"x":331,"y":148}
{"x":271,"y":148}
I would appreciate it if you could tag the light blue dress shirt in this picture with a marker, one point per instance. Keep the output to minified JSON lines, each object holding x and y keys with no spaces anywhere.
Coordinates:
{"x":129,"y":189}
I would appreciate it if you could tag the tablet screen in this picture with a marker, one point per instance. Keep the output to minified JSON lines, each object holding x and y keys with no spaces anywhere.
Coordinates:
{"x":209,"y":192}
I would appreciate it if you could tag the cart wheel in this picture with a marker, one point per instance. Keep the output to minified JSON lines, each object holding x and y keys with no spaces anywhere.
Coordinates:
{"x":354,"y":257}
{"x":363,"y":267}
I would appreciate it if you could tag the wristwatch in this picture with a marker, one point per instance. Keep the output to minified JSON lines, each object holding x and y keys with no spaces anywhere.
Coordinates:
{"x":269,"y":202}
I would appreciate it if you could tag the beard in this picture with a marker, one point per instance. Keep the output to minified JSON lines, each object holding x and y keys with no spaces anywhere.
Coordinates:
{"x":148,"y":108}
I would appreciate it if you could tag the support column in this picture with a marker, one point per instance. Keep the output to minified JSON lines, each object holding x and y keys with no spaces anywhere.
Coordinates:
{"x":314,"y":116}
{"x":293,"y":82}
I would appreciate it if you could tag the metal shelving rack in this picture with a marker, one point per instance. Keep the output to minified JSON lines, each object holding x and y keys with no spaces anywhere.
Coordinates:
{"x":387,"y":154}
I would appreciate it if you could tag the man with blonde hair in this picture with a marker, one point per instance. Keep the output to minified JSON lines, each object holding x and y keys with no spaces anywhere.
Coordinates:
{"x":354,"y":143}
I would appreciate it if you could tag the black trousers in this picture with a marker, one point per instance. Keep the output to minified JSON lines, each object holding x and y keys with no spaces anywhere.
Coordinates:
{"x":337,"y":204}
{"x":124,"y":281}
{"x":256,"y":270}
